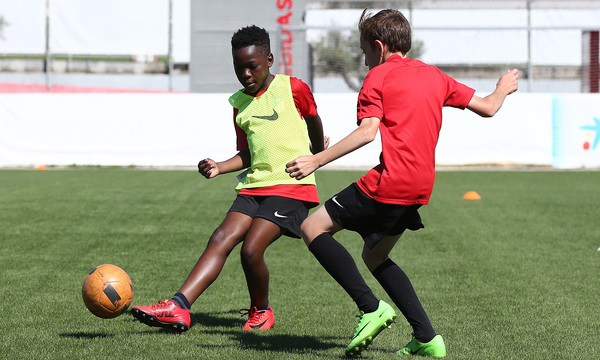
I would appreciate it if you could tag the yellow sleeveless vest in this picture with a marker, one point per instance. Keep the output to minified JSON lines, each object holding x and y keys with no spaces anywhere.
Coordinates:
{"x":276,"y":134}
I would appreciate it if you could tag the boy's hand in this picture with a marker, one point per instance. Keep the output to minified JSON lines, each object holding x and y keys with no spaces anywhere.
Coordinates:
{"x":302,"y":167}
{"x":509,"y":82}
{"x":489,"y":105}
{"x":208,"y":168}
{"x":325,"y":142}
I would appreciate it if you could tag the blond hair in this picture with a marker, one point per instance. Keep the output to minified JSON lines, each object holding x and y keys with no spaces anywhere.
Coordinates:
{"x":388,"y":26}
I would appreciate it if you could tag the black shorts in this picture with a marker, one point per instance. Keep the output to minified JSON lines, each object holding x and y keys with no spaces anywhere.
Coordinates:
{"x":287,"y":213}
{"x":354,"y":210}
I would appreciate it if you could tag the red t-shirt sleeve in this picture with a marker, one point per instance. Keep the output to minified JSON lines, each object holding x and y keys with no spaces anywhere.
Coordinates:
{"x":303,"y":98}
{"x":458,"y":95}
{"x":370,"y":100}
{"x":242,"y":140}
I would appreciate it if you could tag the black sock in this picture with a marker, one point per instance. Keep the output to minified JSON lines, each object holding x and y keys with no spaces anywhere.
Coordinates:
{"x":397,"y":285}
{"x":181,"y":301}
{"x":341,"y":266}
{"x":266,"y":307}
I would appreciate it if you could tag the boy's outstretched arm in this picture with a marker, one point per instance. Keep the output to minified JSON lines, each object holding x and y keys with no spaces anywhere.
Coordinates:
{"x":489,"y":105}
{"x":210,"y":168}
{"x":306,"y":165}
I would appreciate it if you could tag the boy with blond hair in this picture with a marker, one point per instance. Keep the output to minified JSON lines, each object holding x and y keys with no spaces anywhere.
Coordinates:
{"x":402,"y":98}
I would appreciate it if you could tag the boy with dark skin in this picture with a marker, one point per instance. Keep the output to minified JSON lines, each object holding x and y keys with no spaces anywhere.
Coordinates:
{"x":401,"y":98}
{"x":275,"y":119}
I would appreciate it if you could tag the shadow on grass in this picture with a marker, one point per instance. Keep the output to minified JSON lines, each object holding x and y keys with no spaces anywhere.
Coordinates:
{"x":263,"y":340}
{"x":86,"y":335}
{"x":218,"y":319}
{"x":282,"y":342}
{"x":229,"y":324}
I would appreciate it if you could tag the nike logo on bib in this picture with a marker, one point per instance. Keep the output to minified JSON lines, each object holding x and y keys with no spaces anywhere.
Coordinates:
{"x":273,"y":117}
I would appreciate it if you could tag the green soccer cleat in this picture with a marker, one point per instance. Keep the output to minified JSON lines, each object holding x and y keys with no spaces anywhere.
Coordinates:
{"x":369,"y":326}
{"x":435,"y":348}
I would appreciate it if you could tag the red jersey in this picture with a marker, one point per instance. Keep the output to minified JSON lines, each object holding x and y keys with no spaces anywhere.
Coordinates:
{"x":407,"y":96}
{"x":307,"y":107}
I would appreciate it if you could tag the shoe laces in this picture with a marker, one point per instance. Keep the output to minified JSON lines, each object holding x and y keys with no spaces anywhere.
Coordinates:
{"x":248,"y":312}
{"x":161,"y":304}
{"x":254,"y":315}
{"x":413,"y":343}
{"x":360,"y":317}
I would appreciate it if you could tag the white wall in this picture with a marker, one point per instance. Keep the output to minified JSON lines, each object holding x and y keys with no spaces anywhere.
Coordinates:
{"x":131,"y":27}
{"x":181,"y":129}
{"x":141,"y":27}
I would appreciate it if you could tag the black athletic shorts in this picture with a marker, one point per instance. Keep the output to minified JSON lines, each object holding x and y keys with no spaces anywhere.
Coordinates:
{"x":354,"y":210}
{"x":287,"y":213}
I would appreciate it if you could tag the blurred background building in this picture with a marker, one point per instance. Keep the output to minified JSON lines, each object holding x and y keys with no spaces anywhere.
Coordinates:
{"x":183,"y":45}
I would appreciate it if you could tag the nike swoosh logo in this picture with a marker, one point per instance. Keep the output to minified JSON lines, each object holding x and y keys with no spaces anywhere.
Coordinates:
{"x":358,"y":332}
{"x":273,"y":117}
{"x":414,"y":351}
{"x":277,"y":214}
{"x":259,"y":325}
{"x":336,"y":202}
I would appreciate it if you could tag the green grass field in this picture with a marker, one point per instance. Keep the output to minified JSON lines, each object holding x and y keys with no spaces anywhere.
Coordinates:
{"x":511,"y":276}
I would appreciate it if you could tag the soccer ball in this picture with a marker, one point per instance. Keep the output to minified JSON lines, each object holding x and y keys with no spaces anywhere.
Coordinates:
{"x":107,"y":291}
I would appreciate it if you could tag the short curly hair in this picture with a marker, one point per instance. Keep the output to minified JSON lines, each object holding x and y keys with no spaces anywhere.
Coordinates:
{"x":251,"y":35}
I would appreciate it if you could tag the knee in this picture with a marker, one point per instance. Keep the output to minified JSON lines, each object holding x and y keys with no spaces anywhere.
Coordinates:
{"x":251,"y":255}
{"x":222,"y":241}
{"x":372,"y":260}
{"x":304,"y":229}
{"x":310,"y":230}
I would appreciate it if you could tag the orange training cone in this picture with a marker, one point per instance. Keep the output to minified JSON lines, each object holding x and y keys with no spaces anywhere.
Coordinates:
{"x":41,"y":167}
{"x":472,"y":195}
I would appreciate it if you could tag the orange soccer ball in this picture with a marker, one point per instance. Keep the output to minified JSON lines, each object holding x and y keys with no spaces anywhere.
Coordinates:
{"x":107,"y":291}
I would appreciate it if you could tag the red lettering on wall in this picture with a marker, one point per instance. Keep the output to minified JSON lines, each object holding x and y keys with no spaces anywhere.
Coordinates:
{"x":281,"y":4}
{"x":287,"y":59}
{"x":284,"y":19}
{"x":289,"y":36}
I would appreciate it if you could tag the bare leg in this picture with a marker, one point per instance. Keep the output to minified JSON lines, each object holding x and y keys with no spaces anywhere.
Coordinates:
{"x":261,"y":234}
{"x":230,"y":233}
{"x":379,"y":253}
{"x":317,"y":223}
